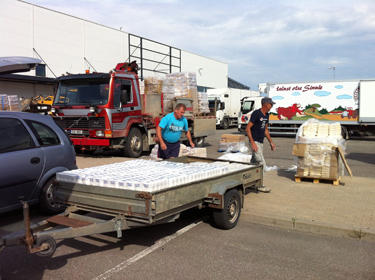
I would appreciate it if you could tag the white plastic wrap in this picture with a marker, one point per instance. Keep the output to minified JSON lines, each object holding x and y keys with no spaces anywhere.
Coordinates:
{"x":147,"y":175}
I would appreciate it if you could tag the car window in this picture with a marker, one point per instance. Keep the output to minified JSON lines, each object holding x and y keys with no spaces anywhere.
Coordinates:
{"x":14,"y":136}
{"x":44,"y":134}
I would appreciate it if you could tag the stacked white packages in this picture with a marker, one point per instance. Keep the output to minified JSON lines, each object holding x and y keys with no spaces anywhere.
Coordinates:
{"x":147,"y":175}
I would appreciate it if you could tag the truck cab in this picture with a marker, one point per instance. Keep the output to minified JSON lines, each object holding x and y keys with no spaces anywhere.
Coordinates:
{"x":248,"y":106}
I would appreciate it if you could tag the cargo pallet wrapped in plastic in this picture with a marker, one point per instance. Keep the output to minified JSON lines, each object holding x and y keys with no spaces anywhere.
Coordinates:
{"x":316,"y":151}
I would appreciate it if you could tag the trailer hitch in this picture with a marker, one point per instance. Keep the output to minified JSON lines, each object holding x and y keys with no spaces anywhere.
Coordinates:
{"x":29,"y":240}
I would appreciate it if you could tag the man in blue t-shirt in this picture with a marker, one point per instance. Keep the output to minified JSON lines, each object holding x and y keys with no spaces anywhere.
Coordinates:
{"x":256,"y":129}
{"x":169,"y":132}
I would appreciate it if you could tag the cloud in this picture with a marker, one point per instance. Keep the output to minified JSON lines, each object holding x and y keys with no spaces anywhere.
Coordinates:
{"x":339,"y":87}
{"x":322,"y":93}
{"x":296,"y":93}
{"x":344,"y":96}
{"x":277,"y":97}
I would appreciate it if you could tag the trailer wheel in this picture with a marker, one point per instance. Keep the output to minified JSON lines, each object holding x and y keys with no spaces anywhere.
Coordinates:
{"x":225,"y":124}
{"x":47,"y":241}
{"x":134,"y":144}
{"x":198,"y":141}
{"x":47,"y":199}
{"x":228,"y":217}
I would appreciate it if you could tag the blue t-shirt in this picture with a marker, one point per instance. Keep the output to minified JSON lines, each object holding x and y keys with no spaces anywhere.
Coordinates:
{"x":172,"y":128}
{"x":260,"y":121}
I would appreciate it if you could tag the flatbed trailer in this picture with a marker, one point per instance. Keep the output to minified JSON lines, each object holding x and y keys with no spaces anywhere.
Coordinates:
{"x":93,"y":209}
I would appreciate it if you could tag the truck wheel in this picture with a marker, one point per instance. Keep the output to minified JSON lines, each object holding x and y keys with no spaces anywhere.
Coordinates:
{"x":47,"y":241}
{"x":199,"y":141}
{"x":225,"y":124}
{"x":47,"y":199}
{"x":134,"y":144}
{"x":228,"y":217}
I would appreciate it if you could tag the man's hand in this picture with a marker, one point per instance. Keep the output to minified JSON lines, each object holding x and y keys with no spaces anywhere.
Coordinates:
{"x":163,"y":146}
{"x":192,"y":144}
{"x":254,"y":147}
{"x":273,"y":147}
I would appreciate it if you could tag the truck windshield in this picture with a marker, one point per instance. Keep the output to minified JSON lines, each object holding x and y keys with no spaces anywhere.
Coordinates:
{"x":247,"y":107}
{"x":82,"y":92}
{"x":211,"y":104}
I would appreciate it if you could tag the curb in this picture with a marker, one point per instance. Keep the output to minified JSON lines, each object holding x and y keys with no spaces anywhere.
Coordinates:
{"x":353,"y":232}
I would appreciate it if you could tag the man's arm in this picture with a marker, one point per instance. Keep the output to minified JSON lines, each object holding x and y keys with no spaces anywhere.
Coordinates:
{"x":268,"y":136}
{"x":253,"y":146}
{"x":161,"y":141}
{"x":188,"y":136}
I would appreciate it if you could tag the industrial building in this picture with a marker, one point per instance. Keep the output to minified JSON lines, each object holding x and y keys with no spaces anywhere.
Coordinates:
{"x":67,"y":44}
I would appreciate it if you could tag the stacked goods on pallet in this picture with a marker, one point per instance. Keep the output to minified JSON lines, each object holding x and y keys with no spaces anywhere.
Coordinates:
{"x":4,"y":103}
{"x":316,"y":150}
{"x":13,"y":103}
{"x":203,"y":102}
{"x":181,"y":85}
{"x":153,"y":85}
{"x":232,"y":143}
{"x":147,"y":175}
{"x":9,"y":103}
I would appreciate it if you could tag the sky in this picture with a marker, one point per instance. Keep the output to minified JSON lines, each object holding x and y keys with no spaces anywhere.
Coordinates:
{"x":261,"y":40}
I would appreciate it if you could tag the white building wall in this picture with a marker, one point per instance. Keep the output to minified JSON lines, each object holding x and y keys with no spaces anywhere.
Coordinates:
{"x":64,"y":42}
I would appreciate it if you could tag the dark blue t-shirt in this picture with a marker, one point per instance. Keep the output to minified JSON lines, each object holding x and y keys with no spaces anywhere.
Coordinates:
{"x":260,"y":121}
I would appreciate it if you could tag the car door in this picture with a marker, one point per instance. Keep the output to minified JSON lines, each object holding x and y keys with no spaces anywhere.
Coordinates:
{"x":21,"y":162}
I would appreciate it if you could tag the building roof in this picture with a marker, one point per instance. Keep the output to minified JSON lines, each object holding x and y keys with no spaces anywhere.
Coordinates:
{"x":234,"y":84}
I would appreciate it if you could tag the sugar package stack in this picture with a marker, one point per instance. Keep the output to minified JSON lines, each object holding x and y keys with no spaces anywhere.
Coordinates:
{"x":323,"y":130}
{"x":335,"y":130}
{"x":145,"y":175}
{"x":310,"y":130}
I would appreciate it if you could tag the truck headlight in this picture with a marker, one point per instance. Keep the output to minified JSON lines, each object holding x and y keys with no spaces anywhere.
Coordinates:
{"x":100,"y":133}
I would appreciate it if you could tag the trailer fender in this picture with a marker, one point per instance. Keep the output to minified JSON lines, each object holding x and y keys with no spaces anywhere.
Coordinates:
{"x":215,"y":197}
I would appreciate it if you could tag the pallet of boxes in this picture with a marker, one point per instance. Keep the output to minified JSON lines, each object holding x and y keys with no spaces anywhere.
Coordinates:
{"x":319,"y":152}
{"x":9,"y":103}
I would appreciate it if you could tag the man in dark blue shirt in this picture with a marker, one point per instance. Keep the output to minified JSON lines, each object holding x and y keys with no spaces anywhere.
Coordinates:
{"x":256,"y":130}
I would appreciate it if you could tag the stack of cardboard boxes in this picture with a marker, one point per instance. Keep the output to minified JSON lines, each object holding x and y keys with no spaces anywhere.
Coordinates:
{"x":317,"y":150}
{"x":232,"y":143}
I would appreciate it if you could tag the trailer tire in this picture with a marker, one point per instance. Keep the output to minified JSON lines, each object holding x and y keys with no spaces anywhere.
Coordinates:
{"x":46,"y":240}
{"x":225,"y":124}
{"x":228,"y":217}
{"x":47,"y":199}
{"x":134,"y":144}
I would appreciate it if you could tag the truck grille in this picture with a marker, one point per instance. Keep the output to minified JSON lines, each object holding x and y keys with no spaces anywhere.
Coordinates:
{"x":80,"y":122}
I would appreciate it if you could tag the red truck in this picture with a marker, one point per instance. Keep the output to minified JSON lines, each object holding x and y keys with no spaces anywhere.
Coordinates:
{"x":107,"y":111}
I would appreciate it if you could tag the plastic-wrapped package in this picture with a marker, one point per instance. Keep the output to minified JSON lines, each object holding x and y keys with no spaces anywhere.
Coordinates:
{"x":316,"y":150}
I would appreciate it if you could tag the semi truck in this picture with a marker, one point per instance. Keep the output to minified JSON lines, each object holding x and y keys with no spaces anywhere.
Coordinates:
{"x":227,"y":102}
{"x":348,"y":102}
{"x":107,"y":111}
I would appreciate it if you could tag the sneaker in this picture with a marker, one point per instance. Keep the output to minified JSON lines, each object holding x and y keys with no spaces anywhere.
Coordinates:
{"x":264,"y":189}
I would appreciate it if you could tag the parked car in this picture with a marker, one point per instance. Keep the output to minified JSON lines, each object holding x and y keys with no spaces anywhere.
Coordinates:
{"x":33,"y":148}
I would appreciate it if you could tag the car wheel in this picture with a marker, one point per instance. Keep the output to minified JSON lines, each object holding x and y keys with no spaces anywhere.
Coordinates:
{"x":47,"y":199}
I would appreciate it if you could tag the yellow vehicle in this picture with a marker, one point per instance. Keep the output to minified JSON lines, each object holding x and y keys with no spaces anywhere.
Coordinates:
{"x":38,"y":104}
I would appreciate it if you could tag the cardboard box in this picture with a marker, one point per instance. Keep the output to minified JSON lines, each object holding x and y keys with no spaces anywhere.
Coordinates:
{"x":232,"y":138}
{"x":319,"y":166}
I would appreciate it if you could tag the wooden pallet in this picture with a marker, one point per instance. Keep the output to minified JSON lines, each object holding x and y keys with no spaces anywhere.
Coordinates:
{"x":336,"y":182}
